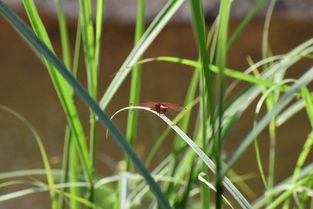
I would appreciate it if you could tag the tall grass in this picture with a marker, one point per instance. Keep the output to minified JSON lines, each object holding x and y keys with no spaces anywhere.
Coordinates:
{"x":184,"y":178}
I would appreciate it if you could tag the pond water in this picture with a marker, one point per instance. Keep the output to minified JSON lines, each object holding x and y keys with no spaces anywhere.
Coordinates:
{"x":25,"y":87}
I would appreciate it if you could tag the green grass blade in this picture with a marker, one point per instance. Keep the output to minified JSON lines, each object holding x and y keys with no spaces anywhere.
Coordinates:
{"x":190,"y":97}
{"x":65,"y":165}
{"x":228,"y":72}
{"x":206,"y":84}
{"x":221,"y":58}
{"x":302,"y":157}
{"x":64,"y":34}
{"x":150,"y":34}
{"x":62,"y":88}
{"x":98,"y":32}
{"x":259,"y":162}
{"x":244,"y":23}
{"x":307,"y":97}
{"x":135,"y":85}
{"x":199,"y":31}
{"x":189,"y":103}
{"x":265,"y":41}
{"x":42,"y":49}
{"x":88,"y":42}
{"x":70,"y":157}
{"x":67,"y":61}
{"x":89,"y":45}
{"x":74,"y":170}
{"x":77,"y":49}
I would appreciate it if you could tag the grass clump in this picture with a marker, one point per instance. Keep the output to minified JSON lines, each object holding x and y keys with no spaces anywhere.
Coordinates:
{"x":184,"y":178}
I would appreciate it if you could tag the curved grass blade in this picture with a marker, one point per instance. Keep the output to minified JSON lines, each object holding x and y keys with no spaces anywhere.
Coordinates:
{"x":211,"y":186}
{"x":20,"y":193}
{"x":289,"y":112}
{"x":210,"y":164}
{"x":228,"y":72}
{"x":42,"y":49}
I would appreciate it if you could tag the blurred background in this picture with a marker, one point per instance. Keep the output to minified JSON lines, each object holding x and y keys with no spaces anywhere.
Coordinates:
{"x":25,"y":85}
{"x":125,"y":10}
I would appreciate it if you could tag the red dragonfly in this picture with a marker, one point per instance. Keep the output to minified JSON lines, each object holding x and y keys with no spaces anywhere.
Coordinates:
{"x":163,"y":107}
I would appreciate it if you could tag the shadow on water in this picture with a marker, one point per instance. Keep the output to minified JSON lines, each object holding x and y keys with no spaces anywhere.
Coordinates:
{"x":26,"y":88}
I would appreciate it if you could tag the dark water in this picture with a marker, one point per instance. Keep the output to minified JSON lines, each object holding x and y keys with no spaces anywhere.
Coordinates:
{"x":25,"y":87}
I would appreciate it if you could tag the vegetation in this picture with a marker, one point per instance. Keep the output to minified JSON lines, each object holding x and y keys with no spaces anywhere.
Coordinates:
{"x":182,"y":179}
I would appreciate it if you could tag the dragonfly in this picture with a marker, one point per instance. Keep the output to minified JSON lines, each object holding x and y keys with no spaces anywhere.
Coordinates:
{"x":163,"y":107}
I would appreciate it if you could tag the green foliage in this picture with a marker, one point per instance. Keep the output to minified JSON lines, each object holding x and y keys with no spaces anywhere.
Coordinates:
{"x":195,"y":161}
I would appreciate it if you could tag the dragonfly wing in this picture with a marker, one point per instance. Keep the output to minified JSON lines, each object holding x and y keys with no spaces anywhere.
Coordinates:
{"x":172,"y":108}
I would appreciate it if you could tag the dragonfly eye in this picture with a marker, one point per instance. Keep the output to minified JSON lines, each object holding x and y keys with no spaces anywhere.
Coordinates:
{"x":162,"y":106}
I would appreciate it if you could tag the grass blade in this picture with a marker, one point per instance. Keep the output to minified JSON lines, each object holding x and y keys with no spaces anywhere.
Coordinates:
{"x":135,"y":85}
{"x":228,"y":72}
{"x":206,"y":84}
{"x":63,"y":34}
{"x":245,"y":22}
{"x":221,"y":57}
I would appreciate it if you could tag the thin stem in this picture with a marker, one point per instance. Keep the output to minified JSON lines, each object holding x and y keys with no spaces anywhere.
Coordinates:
{"x":64,"y":34}
{"x":221,"y":57}
{"x":131,"y":132}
